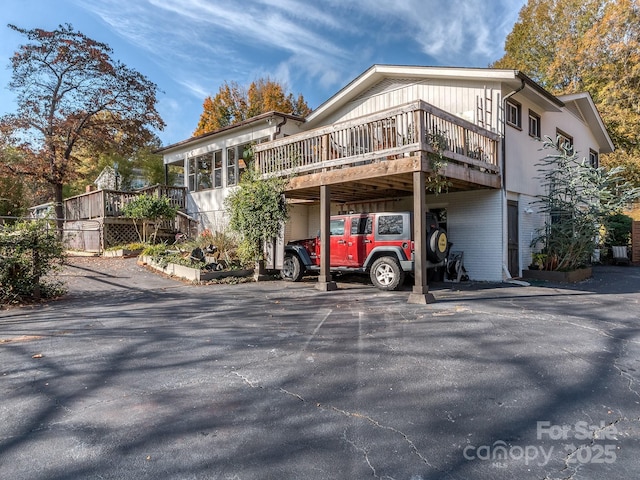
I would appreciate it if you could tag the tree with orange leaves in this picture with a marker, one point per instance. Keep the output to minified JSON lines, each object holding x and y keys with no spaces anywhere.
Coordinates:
{"x":233,"y":104}
{"x":571,"y":46}
{"x":71,"y":94}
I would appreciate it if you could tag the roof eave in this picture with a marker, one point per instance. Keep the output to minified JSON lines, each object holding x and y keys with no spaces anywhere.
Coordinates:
{"x":584,"y":99}
{"x":376,"y":72}
{"x":242,"y":124}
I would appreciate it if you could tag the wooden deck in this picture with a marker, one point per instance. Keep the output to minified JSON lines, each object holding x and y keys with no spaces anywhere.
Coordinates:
{"x":374,"y":156}
{"x":109,"y":203}
{"x":95,"y":220}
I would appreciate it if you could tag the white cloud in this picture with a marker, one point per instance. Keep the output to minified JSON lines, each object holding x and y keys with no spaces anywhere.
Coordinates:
{"x":199,"y":44}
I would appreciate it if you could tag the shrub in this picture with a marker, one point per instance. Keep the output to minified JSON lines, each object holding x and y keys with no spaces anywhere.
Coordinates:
{"x":257,"y":210}
{"x":149,"y":210}
{"x":578,"y":200}
{"x":29,"y":253}
{"x":618,"y":229}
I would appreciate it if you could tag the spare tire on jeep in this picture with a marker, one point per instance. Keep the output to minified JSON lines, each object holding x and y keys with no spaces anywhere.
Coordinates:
{"x":437,"y":244}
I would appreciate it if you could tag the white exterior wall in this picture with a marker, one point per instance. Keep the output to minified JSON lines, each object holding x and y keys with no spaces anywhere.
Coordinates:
{"x":529,"y":223}
{"x":460,"y":98}
{"x":524,"y":152}
{"x":474,"y":224}
{"x":207,"y":206}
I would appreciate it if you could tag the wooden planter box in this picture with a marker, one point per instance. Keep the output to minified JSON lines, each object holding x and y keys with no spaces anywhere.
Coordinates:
{"x":121,"y":252}
{"x":192,"y":274}
{"x":558,"y":277}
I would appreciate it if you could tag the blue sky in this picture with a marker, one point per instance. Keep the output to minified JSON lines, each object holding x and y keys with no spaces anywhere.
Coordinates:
{"x":315,"y":47}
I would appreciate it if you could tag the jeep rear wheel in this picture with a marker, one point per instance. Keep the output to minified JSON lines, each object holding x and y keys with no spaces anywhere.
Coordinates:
{"x":291,"y":268}
{"x":386,"y":274}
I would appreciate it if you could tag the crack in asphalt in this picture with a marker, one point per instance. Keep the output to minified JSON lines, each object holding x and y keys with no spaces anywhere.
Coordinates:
{"x":623,"y":373}
{"x":254,"y":384}
{"x":365,"y":453}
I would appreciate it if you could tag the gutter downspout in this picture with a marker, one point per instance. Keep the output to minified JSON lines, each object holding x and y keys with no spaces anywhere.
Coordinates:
{"x":279,"y":128}
{"x":505,"y":268}
{"x":504,"y":130}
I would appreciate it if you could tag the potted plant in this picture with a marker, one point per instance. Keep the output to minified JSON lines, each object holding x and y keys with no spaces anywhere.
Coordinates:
{"x":537,"y":261}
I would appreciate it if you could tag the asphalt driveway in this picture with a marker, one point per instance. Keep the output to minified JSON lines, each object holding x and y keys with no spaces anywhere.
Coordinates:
{"x":136,"y":376}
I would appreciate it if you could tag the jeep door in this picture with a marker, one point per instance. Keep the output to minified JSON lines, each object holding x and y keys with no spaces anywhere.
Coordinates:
{"x":338,"y":245}
{"x":356,"y":246}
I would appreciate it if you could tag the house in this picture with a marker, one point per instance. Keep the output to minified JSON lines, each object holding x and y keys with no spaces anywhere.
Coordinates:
{"x":367,"y":149}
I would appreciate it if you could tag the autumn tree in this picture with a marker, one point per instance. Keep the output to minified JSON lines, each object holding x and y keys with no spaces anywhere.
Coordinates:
{"x":71,"y":93}
{"x":133,"y":164}
{"x":233,"y":104}
{"x":16,"y":192}
{"x":586,"y":45}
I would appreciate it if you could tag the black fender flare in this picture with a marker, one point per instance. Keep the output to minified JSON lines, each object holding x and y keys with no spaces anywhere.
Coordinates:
{"x":301,"y":252}
{"x":377,"y":252}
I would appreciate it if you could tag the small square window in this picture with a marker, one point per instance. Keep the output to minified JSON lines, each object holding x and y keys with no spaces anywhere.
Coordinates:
{"x":390,"y":225}
{"x":594,"y":161}
{"x":534,"y":124}
{"x":565,"y":141}
{"x":514,"y":114}
{"x":337,"y":226}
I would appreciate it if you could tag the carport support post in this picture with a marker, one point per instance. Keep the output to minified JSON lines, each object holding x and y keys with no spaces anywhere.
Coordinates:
{"x":420,"y":293}
{"x":324,"y":280}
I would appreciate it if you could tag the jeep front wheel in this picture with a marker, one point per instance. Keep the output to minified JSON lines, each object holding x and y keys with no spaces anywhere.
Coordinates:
{"x":386,"y":274}
{"x":291,"y":268}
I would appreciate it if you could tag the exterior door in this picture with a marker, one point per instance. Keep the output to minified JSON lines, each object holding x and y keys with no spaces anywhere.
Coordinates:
{"x":513,"y":241}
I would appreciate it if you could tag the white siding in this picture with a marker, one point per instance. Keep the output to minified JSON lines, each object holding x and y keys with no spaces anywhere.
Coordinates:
{"x":297,"y":226}
{"x":523,"y":152}
{"x":530,"y":221}
{"x":457,"y":97}
{"x":474,"y":223}
{"x":208,"y":207}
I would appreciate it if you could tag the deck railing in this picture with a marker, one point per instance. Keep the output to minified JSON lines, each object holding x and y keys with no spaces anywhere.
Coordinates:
{"x":109,"y":203}
{"x":386,"y":135}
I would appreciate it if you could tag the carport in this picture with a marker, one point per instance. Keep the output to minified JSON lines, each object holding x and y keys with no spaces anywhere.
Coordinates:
{"x":385,"y":155}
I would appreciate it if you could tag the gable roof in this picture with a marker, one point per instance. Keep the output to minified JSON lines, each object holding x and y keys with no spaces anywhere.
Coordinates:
{"x":581,"y":104}
{"x":513,"y":79}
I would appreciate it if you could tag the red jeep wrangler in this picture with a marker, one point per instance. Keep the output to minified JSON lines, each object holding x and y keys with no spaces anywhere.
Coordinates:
{"x":380,"y":244}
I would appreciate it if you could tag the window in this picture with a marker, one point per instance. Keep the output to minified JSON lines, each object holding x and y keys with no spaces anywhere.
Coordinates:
{"x":244,"y":155}
{"x":337,"y":226}
{"x":368,"y":228}
{"x":203,"y":163}
{"x":217,"y":169}
{"x":358,"y":225}
{"x":565,"y":141}
{"x":232,"y":165}
{"x":594,"y":161}
{"x":191,"y":166}
{"x":175,"y":175}
{"x":514,"y":114}
{"x":534,"y":124}
{"x":390,"y":225}
{"x":238,"y":157}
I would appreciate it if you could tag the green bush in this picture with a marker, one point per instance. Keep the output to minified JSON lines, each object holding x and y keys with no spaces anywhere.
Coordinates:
{"x":618,"y":229}
{"x":148,"y":210}
{"x":29,"y":253}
